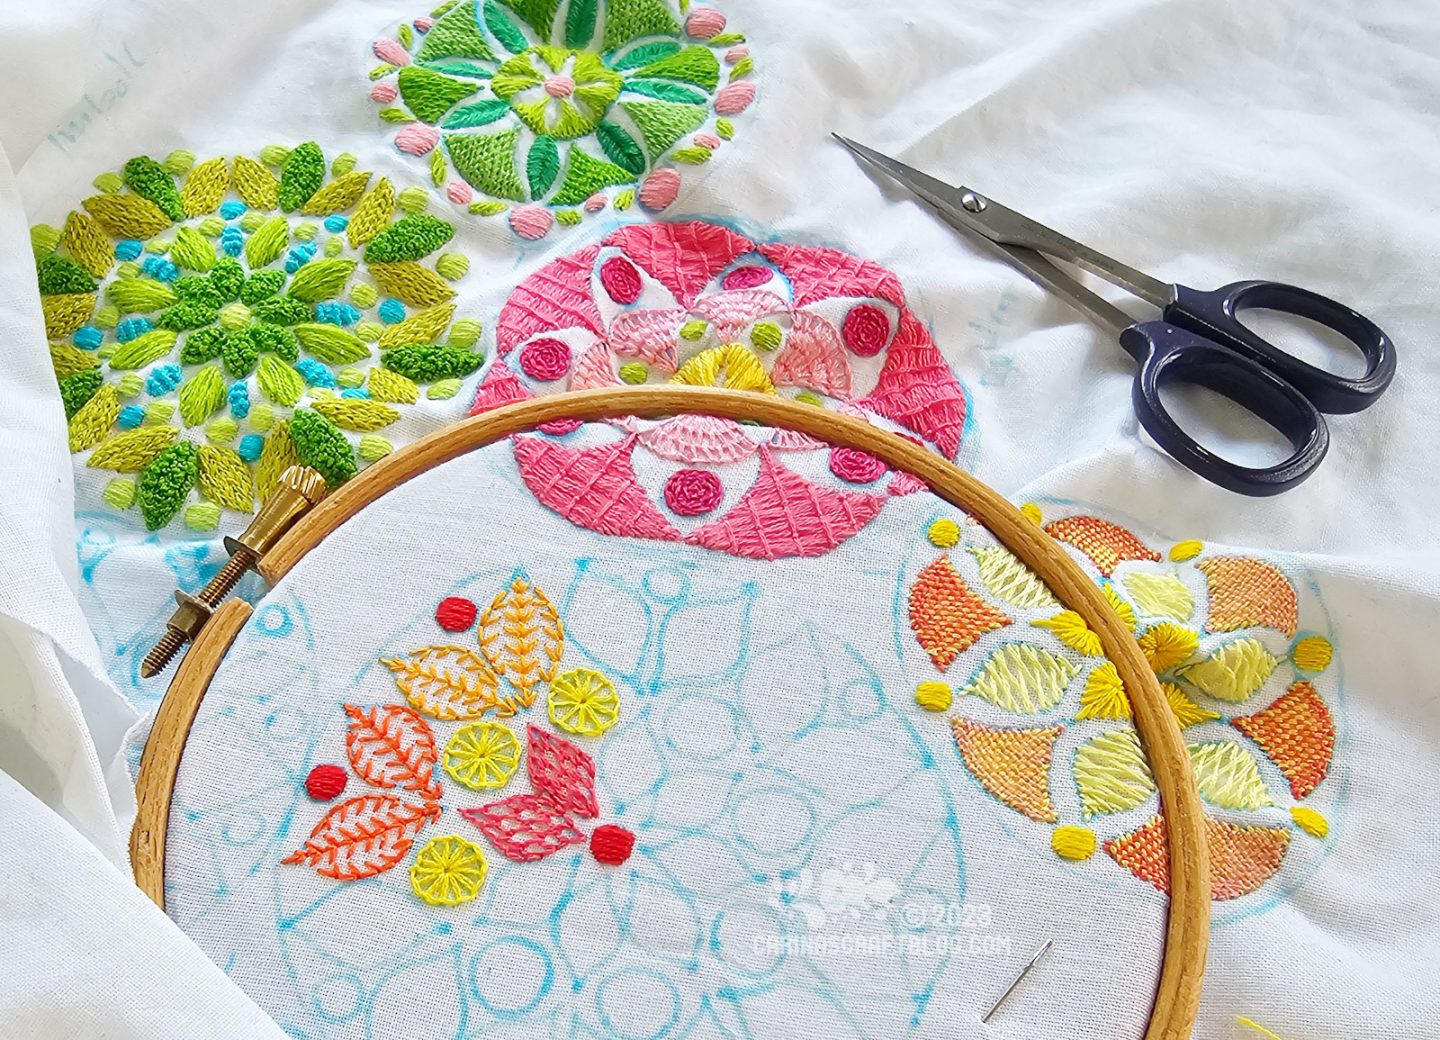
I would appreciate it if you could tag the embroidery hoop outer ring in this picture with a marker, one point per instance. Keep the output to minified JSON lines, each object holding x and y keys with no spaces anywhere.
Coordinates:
{"x":1177,"y":996}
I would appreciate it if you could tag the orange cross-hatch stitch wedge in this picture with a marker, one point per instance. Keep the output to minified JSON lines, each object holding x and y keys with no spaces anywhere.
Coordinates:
{"x":946,"y":616}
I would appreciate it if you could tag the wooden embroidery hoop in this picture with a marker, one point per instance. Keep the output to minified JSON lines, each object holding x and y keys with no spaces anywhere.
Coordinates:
{"x":1182,"y":967}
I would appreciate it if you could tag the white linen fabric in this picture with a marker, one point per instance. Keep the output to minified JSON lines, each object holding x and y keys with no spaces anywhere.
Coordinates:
{"x":1202,"y":142}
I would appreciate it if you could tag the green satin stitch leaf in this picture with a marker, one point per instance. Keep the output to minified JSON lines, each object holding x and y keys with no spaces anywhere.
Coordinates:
{"x":503,"y":29}
{"x":321,"y":279}
{"x":279,"y":382}
{"x":645,"y":54}
{"x":478,"y":114}
{"x":580,"y":23}
{"x":664,"y":90}
{"x":267,"y":243}
{"x":620,"y":148}
{"x":542,"y":165}
{"x":202,"y":395}
{"x":459,"y":68}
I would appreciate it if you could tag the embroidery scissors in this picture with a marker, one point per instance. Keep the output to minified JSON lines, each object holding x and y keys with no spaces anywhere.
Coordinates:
{"x":1199,"y":340}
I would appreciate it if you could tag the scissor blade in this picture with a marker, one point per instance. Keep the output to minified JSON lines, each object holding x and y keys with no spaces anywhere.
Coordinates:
{"x":1035,"y":265}
{"x":968,"y":209}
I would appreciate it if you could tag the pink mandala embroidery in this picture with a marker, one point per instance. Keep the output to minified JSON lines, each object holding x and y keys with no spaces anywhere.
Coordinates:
{"x":699,"y":304}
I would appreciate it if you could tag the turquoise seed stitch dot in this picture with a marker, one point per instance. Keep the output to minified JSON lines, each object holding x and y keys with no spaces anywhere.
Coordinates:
{"x":239,"y":398}
{"x":132,"y":327}
{"x":128,"y":249}
{"x":355,"y":391}
{"x":315,"y":373}
{"x":232,"y":209}
{"x":332,"y":312}
{"x":336,"y":223}
{"x":300,"y":256}
{"x":251,"y":445}
{"x":88,"y":337}
{"x":232,"y":240}
{"x":392,"y":311}
{"x":163,"y":379}
{"x":160,"y":268}
{"x":131,"y":416}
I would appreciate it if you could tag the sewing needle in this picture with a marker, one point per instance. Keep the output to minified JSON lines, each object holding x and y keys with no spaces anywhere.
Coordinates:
{"x":1018,"y":978}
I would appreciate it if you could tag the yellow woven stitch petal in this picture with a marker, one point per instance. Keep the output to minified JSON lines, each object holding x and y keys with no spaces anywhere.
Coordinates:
{"x":425,"y":327}
{"x":1186,"y":711}
{"x":87,"y":244}
{"x":1070,"y":628}
{"x":1160,"y":595}
{"x":1233,"y":672}
{"x":1227,"y":776}
{"x":131,"y":451}
{"x":372,"y":215}
{"x":358,"y":415}
{"x":64,"y":314}
{"x":1312,"y":654}
{"x":1111,"y":773}
{"x":276,"y":457}
{"x":1009,"y":580}
{"x":341,"y":193}
{"x":385,"y":385}
{"x":255,"y":184}
{"x":1104,"y":694}
{"x":225,"y":478}
{"x":1022,"y":678}
{"x":411,"y":284}
{"x":1168,"y":645}
{"x":91,"y":423}
{"x":205,"y":187}
{"x":127,"y":216}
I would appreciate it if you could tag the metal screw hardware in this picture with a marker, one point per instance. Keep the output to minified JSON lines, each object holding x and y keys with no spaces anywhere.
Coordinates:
{"x":296,"y":493}
{"x":972,"y":202}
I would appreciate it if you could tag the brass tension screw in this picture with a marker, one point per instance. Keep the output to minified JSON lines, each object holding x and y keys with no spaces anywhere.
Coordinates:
{"x":299,"y":489}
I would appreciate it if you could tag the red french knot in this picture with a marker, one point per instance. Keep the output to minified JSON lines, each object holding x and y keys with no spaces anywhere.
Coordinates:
{"x":1241,"y":858}
{"x":545,"y":359}
{"x":750,"y":276}
{"x":561,"y":772}
{"x":555,"y":297}
{"x":858,"y":467}
{"x":611,"y":845}
{"x":1105,"y":543}
{"x":682,"y":257}
{"x":1297,"y":733}
{"x":363,"y":836}
{"x":326,"y":781}
{"x":1012,"y":764}
{"x":692,"y":492}
{"x":1245,"y":592}
{"x":392,"y":746}
{"x":595,"y":488}
{"x":455,"y":613}
{"x":621,"y":280}
{"x":946,"y":616}
{"x":865,"y":330}
{"x":525,"y":827}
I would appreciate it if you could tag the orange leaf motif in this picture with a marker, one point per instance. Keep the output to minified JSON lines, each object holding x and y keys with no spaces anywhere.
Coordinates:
{"x":1245,"y":592}
{"x":1297,"y":733}
{"x":946,"y":616}
{"x":449,"y":682}
{"x":1105,"y":543}
{"x":363,"y":836}
{"x":1241,"y":858}
{"x":522,"y":637}
{"x":391,"y":746}
{"x":1012,"y":764}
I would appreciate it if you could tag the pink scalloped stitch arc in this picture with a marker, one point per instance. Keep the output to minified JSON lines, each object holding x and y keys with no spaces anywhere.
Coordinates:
{"x":555,"y":297}
{"x":681,"y":257}
{"x":595,"y":487}
{"x":733,"y":309}
{"x":813,"y":358}
{"x":648,"y":336}
{"x":783,"y":514}
{"x":817,"y":273}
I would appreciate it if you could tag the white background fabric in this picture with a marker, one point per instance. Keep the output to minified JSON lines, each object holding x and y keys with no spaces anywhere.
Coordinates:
{"x":1202,"y":142}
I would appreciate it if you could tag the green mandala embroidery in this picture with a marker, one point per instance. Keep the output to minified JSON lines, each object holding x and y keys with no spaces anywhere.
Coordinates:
{"x":547,"y":106}
{"x":212,"y":323}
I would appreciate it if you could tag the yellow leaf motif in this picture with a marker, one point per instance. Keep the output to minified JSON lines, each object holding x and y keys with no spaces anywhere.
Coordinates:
{"x":1070,"y":628}
{"x":1167,"y":645}
{"x":1104,"y":694}
{"x":449,"y":682}
{"x":1186,"y":711}
{"x":522,"y":637}
{"x":1111,"y":773}
{"x":1022,"y":678}
{"x":1233,"y":672}
{"x":1161,"y":595}
{"x":1009,"y":580}
{"x":1227,"y":776}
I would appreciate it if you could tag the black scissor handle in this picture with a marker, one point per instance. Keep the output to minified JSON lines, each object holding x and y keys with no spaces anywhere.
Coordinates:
{"x":1170,"y":355}
{"x":1216,"y":315}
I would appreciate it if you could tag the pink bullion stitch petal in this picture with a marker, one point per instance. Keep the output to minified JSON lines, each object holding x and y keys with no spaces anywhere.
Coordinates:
{"x":681,"y":257}
{"x":817,"y":273}
{"x":783,"y":514}
{"x":592,"y":487}
{"x":555,"y":297}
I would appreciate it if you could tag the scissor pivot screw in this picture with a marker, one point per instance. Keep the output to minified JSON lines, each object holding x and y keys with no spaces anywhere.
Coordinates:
{"x":973,"y":203}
